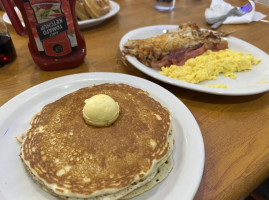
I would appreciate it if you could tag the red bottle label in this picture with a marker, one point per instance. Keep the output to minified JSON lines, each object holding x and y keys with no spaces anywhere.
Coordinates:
{"x":52,"y":26}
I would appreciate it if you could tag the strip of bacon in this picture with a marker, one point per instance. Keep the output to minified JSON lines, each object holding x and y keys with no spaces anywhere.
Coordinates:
{"x":180,"y":56}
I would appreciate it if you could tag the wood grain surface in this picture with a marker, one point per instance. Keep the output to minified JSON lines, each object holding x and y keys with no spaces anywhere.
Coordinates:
{"x":235,"y":128}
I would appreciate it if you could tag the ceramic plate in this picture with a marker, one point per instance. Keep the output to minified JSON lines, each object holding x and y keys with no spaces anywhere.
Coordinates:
{"x":7,"y":20}
{"x":92,"y":22}
{"x":16,"y":114}
{"x":246,"y":83}
{"x":84,"y":23}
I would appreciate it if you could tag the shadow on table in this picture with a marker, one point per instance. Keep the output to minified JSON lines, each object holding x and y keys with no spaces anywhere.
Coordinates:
{"x":260,"y":193}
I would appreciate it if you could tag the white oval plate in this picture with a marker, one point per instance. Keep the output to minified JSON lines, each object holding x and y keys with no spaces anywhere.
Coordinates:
{"x":16,"y":114}
{"x":250,"y":82}
{"x":84,"y":23}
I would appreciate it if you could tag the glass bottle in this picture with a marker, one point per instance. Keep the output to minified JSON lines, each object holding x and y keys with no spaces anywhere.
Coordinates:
{"x":7,"y":50}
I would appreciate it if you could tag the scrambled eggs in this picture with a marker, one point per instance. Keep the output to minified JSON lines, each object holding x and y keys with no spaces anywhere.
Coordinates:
{"x":210,"y":64}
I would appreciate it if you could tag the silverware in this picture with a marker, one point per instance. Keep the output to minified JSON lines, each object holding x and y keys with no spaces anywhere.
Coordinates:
{"x":214,"y":20}
{"x":217,"y":21}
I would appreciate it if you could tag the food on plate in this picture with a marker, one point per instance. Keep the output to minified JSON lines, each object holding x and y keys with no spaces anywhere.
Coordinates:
{"x":86,"y":9}
{"x":100,"y":110}
{"x":210,"y":64}
{"x":71,"y":159}
{"x":81,"y":10}
{"x":175,"y":47}
{"x":97,"y":8}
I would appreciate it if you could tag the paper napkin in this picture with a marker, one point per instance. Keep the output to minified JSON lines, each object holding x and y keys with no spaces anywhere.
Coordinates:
{"x":220,"y":7}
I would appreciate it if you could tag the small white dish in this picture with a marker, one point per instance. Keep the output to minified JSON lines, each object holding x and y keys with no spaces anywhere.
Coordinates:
{"x":115,"y":8}
{"x":83,"y":24}
{"x":16,"y":114}
{"x":7,"y":20}
{"x":247,"y":83}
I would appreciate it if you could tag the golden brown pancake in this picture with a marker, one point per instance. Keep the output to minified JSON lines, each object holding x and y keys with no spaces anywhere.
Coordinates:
{"x":69,"y":158}
{"x":97,"y":8}
{"x":81,"y":10}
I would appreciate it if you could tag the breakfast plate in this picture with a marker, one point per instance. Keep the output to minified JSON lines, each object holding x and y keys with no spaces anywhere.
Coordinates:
{"x":92,"y":22}
{"x":16,"y":114}
{"x":82,"y":23}
{"x":247,"y":83}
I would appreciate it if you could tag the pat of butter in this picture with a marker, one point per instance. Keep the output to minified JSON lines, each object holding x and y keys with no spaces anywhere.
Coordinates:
{"x":100,"y":110}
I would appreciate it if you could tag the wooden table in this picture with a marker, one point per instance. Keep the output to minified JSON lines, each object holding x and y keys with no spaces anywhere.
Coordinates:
{"x":235,"y":128}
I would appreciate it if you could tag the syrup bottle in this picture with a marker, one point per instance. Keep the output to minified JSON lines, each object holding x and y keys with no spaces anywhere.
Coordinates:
{"x":7,"y":50}
{"x":55,"y":42}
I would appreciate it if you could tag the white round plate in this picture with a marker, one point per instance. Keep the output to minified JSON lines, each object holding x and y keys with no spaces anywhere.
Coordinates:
{"x":115,"y":8}
{"x":16,"y":114}
{"x":84,"y":23}
{"x":250,"y":82}
{"x":7,"y":20}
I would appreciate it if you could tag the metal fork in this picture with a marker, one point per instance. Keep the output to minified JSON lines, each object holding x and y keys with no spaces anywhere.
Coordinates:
{"x":242,"y":10}
{"x":217,"y":21}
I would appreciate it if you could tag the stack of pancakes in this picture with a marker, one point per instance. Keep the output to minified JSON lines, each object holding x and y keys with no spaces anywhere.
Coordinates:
{"x":86,"y":9}
{"x":71,"y":159}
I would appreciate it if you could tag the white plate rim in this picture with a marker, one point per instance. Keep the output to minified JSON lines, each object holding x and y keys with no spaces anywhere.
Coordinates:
{"x":7,"y":20}
{"x":260,"y":88}
{"x":115,"y":8}
{"x":193,"y":153}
